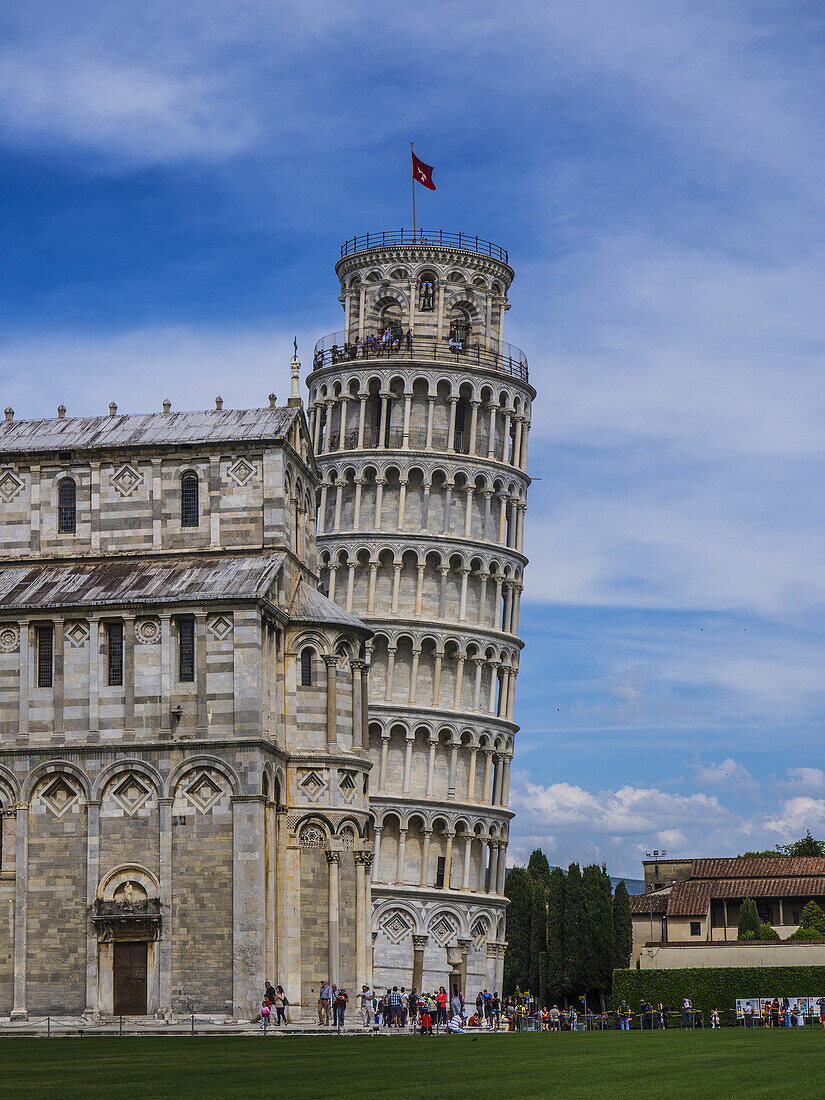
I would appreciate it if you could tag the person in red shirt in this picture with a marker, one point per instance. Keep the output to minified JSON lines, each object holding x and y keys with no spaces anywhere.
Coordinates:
{"x":339,"y":1007}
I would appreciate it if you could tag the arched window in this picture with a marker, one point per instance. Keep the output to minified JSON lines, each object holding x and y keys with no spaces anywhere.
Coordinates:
{"x":189,"y":510}
{"x":306,"y":667}
{"x":67,"y":507}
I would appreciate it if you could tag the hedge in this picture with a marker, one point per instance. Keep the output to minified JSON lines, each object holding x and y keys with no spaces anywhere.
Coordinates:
{"x":716,"y":987}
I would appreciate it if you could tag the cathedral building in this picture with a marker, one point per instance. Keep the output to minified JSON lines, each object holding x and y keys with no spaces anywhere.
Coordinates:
{"x":419,"y":413}
{"x":183,"y":776}
{"x":257,"y":669}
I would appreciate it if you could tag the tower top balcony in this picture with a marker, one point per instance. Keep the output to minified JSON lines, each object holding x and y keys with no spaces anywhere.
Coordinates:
{"x":335,"y":349}
{"x":438,"y":238}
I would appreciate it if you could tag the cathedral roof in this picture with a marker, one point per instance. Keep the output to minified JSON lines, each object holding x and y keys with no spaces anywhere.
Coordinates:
{"x":308,"y":605}
{"x":155,"y":581}
{"x":146,"y":429}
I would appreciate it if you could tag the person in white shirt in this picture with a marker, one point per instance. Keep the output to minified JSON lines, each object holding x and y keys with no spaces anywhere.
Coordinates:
{"x":456,"y":1025}
{"x":366,"y":997}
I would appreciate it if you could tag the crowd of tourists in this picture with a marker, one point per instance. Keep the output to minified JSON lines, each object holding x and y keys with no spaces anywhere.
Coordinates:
{"x":392,"y":339}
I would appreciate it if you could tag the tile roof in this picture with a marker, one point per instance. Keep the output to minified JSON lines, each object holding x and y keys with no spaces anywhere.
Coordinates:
{"x":758,"y":866}
{"x":180,"y":428}
{"x":692,"y":897}
{"x":155,"y":581}
{"x":653,"y":902}
{"x":308,"y":605}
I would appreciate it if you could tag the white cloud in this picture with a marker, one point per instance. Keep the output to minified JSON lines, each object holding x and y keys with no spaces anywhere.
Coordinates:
{"x":811,"y":780}
{"x":796,"y":817}
{"x":727,"y":771}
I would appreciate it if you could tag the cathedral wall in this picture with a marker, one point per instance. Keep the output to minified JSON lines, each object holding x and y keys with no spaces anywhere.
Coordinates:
{"x":6,"y":945}
{"x":202,"y":861}
{"x":56,"y":925}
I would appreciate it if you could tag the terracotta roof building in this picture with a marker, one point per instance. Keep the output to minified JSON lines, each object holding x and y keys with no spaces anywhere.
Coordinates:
{"x":700,"y":902}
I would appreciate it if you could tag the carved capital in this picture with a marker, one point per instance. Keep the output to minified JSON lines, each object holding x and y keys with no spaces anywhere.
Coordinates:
{"x":419,"y":942}
{"x":333,"y":858}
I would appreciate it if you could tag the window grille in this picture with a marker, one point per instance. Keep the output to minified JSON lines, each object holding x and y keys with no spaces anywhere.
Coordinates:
{"x":306,"y":668}
{"x":186,"y":650}
{"x":189,"y":507}
{"x":45,"y":656}
{"x":115,"y":638}
{"x":66,"y":507}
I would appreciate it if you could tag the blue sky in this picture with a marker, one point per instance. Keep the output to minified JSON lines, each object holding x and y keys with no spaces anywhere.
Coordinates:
{"x":176,"y":181}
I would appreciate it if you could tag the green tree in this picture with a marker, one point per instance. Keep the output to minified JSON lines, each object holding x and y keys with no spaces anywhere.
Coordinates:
{"x":538,"y":933}
{"x":555,"y":936}
{"x":748,"y":920}
{"x":813,"y":917}
{"x":807,"y":846}
{"x":538,"y":868}
{"x":517,"y":959}
{"x":622,"y":928}
{"x":573,"y":924}
{"x":767,"y":931}
{"x":597,"y":932}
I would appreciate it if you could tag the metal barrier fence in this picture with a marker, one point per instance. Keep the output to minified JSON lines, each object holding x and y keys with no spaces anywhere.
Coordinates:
{"x":468,"y":242}
{"x":333,"y":349}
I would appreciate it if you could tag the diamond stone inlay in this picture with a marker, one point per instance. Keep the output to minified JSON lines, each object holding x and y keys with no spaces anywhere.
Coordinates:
{"x":77,"y":635}
{"x":396,"y":926}
{"x":131,"y":794}
{"x":126,"y":480}
{"x":203,"y":793}
{"x":59,"y":796}
{"x":241,"y":471}
{"x":10,"y":485}
{"x":443,"y":929}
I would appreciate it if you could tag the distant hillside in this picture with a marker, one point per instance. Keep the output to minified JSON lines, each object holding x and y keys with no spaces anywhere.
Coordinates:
{"x":634,"y":885}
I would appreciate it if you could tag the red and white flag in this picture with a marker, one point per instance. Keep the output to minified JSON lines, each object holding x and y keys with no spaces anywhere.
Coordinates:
{"x":422,"y":173}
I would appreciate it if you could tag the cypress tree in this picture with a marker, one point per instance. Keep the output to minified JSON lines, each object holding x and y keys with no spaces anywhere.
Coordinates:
{"x":555,"y":936}
{"x":597,"y":931}
{"x":622,"y":928}
{"x":517,"y":959}
{"x":538,"y":933}
{"x":573,"y":924}
{"x":748,"y":920}
{"x":813,"y":917}
{"x":538,"y":868}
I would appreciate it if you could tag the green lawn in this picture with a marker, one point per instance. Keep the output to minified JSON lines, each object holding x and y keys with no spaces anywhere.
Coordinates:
{"x":639,"y":1065}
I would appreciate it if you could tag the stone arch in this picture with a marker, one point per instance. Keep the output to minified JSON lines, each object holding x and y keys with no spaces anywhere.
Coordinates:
{"x":55,"y":767}
{"x":123,"y":767}
{"x":203,"y":761}
{"x":118,"y":876}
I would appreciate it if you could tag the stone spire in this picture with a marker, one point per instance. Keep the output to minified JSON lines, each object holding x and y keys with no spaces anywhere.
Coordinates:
{"x":295,"y":368}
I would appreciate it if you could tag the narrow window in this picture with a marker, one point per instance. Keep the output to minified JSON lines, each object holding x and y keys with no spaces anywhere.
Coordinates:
{"x":189,"y":510}
{"x":115,"y":638}
{"x":306,"y":668}
{"x":186,"y":651}
{"x":695,"y":928}
{"x":66,"y":507}
{"x":45,"y":656}
{"x":439,"y":872}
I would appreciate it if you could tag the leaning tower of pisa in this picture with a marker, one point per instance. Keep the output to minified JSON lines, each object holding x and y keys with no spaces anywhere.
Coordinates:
{"x":420,"y":414}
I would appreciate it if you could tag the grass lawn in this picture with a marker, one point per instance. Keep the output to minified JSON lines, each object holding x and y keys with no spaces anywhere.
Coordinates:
{"x":729,"y":1063}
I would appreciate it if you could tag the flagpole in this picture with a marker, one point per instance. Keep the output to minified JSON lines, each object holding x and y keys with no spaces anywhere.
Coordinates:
{"x":412,"y":178}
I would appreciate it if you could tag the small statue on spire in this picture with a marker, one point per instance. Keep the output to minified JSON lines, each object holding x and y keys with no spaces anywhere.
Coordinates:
{"x":295,"y":368}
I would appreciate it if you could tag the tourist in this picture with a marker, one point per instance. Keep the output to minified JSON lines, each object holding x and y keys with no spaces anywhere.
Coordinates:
{"x":394,"y":1005}
{"x":660,"y":1008}
{"x":269,"y":992}
{"x":457,"y":1003}
{"x":714,"y":1019}
{"x":687,"y":1012}
{"x":456,"y":1025}
{"x":402,"y":1008}
{"x":572,"y":1018}
{"x":623,"y":1012}
{"x":775,"y":1012}
{"x":555,"y":1018}
{"x":265,"y":1011}
{"x":324,"y":1003}
{"x":365,"y":997}
{"x":821,"y":1003}
{"x":339,"y":1007}
{"x":495,"y":1012}
{"x":425,"y":1018}
{"x":480,"y":1007}
{"x":412,"y":1008}
{"x":280,"y":1004}
{"x":441,"y":1003}
{"x":747,"y":1013}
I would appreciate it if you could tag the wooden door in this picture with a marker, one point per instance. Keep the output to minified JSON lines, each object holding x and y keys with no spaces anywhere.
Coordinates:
{"x":130,"y":978}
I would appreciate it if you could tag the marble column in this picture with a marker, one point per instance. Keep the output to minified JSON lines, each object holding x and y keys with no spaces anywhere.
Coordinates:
{"x":334,"y":866}
{"x":419,"y":946}
{"x":248,"y":905}
{"x":21,"y":902}
{"x":92,"y":879}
